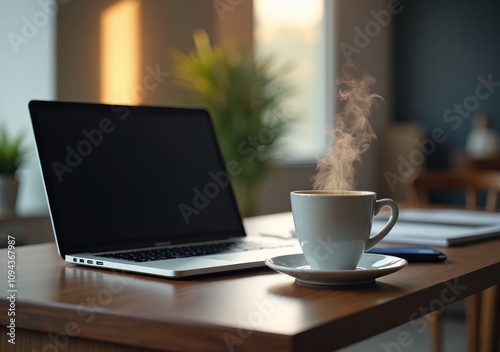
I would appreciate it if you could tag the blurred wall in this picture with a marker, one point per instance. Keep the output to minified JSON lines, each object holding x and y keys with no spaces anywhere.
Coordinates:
{"x":428,"y":58}
{"x":447,"y":70}
{"x":27,"y":71}
{"x":168,"y":24}
{"x":164,"y":25}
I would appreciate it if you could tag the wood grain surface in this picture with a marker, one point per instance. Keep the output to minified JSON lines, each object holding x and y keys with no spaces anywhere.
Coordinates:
{"x":242,"y":311}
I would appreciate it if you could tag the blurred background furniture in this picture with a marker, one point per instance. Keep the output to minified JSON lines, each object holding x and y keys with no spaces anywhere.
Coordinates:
{"x":461,"y":161}
{"x":481,"y":188}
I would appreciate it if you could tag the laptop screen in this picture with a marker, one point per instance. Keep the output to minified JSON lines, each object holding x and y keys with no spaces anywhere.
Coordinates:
{"x":122,"y":177}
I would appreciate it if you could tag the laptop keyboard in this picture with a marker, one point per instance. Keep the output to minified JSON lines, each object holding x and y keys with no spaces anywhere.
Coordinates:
{"x":189,"y":251}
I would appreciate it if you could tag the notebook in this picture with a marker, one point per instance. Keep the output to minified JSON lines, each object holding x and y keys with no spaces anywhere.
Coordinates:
{"x":441,"y":227}
{"x":137,"y":188}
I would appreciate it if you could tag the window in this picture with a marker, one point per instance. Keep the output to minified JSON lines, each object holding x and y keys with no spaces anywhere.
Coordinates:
{"x":295,"y":32}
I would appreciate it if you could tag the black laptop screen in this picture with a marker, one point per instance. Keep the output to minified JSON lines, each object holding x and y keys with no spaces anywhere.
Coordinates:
{"x":119,"y":176}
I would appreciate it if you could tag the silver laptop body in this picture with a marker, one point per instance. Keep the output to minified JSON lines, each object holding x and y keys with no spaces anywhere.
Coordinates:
{"x":126,"y":179}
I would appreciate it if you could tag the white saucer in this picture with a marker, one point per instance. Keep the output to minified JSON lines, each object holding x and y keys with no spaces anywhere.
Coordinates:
{"x":370,"y":267}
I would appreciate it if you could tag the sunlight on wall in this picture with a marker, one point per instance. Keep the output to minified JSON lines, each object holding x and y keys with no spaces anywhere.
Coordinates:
{"x":120,"y":53}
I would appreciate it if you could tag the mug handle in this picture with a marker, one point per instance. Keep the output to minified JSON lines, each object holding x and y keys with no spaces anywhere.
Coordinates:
{"x":379,"y":204}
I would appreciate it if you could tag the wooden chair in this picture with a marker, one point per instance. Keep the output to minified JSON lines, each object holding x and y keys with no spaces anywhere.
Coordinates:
{"x":482,"y":309}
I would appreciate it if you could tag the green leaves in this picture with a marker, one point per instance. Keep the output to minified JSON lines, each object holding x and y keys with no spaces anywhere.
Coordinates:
{"x":11,"y":152}
{"x":244,"y":95}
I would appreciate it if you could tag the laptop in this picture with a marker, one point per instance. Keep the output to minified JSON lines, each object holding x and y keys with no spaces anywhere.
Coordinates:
{"x":143,"y":189}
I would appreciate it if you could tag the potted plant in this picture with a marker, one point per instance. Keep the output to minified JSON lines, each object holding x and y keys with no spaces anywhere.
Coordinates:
{"x":244,"y":95}
{"x":11,"y":156}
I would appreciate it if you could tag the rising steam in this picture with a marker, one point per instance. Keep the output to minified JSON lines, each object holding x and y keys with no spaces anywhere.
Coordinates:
{"x":351,"y":135}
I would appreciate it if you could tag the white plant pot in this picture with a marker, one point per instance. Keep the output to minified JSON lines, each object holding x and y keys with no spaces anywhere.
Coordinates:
{"x":9,"y":186}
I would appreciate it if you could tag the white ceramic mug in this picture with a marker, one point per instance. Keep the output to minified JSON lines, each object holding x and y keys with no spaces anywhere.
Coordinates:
{"x":334,"y":227}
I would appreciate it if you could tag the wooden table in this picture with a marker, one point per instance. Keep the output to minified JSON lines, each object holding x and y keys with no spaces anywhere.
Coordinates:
{"x":62,"y":307}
